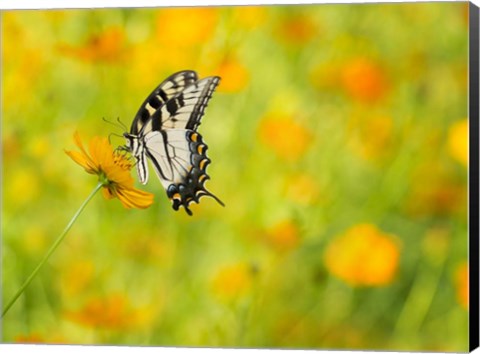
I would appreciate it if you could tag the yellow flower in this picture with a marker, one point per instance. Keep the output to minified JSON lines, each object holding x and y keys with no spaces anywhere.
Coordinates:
{"x":113,"y":171}
{"x":297,"y":30}
{"x":363,"y":256}
{"x":76,"y":277}
{"x":443,"y":195}
{"x":233,"y":281}
{"x":461,"y":282}
{"x":186,"y":26}
{"x":29,"y":338}
{"x":303,"y":189}
{"x":458,"y":141}
{"x":371,"y":136}
{"x":364,"y":80}
{"x":112,"y":312}
{"x":34,"y":337}
{"x":285,"y":136}
{"x":107,"y":46}
{"x":24,"y":186}
{"x":234,"y":74}
{"x":283,"y":236}
{"x":249,"y":17}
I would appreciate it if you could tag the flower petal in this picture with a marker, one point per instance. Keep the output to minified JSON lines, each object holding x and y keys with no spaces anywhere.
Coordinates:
{"x":82,"y":160}
{"x":134,"y":198}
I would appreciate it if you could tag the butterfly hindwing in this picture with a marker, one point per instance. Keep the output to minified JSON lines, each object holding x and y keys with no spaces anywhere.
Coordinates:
{"x":180,"y":161}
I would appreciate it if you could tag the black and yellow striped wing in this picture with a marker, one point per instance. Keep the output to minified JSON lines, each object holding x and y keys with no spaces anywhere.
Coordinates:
{"x":179,"y":102}
{"x":164,"y":131}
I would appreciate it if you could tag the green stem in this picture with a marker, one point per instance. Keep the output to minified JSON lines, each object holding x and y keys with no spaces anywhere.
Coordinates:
{"x":51,"y":250}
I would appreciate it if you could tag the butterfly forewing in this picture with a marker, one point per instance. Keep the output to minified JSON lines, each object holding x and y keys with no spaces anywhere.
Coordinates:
{"x":168,"y":89}
{"x":186,"y":109}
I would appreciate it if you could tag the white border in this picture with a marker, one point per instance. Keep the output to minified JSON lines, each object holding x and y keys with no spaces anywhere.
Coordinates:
{"x":77,"y":349}
{"x":47,"y":4}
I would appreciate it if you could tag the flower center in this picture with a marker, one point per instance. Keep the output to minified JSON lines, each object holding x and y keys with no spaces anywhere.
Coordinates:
{"x":121,"y":160}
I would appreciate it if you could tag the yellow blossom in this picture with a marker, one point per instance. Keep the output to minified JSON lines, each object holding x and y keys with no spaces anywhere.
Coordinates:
{"x":35,"y":337}
{"x":24,"y":186}
{"x":111,"y":312}
{"x":458,"y":141}
{"x":364,"y":80}
{"x":363,"y":256}
{"x":282,"y":133}
{"x":302,"y":189}
{"x":234,"y":74}
{"x":233,"y":281}
{"x":113,"y":170}
{"x":297,"y":30}
{"x":186,"y":26}
{"x":371,"y":136}
{"x":107,"y":46}
{"x":461,"y":283}
{"x":250,"y":17}
{"x":76,"y":277}
{"x":283,"y":236}
{"x":443,"y":195}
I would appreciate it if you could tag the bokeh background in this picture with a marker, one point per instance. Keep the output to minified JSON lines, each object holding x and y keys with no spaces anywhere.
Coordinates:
{"x":338,"y":139}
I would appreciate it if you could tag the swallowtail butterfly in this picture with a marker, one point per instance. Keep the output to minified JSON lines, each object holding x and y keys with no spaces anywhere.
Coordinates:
{"x":165,"y":131}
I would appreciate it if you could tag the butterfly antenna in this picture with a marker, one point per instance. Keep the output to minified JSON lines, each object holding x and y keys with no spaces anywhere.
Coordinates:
{"x":116,"y":125}
{"x":122,"y":124}
{"x":115,"y":134}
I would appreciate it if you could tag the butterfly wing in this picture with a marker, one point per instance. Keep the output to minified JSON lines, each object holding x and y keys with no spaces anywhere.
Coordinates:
{"x":169,"y":88}
{"x":180,"y":162}
{"x":186,"y":109}
{"x":179,"y":102}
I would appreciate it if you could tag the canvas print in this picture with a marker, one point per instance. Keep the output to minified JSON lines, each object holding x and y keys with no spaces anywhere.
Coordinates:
{"x":237,"y":176}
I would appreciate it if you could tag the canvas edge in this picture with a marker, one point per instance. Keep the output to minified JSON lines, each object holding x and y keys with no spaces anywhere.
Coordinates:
{"x":474,"y":176}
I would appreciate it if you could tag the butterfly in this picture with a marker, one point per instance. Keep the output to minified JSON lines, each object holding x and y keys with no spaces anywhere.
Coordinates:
{"x":164,"y":131}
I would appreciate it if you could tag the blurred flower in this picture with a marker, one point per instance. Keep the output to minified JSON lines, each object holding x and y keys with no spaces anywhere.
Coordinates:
{"x":179,"y":37}
{"x":75,"y":277}
{"x":139,"y":244}
{"x":284,"y":135}
{"x":458,"y":141}
{"x":39,"y":146}
{"x":107,"y":46}
{"x":11,"y":147}
{"x":461,"y":283}
{"x":442,"y":195}
{"x":363,"y":256}
{"x":325,"y":76}
{"x":29,"y":338}
{"x":33,"y":338}
{"x":23,"y":185}
{"x":250,"y":17}
{"x":34,"y":239}
{"x":113,"y":171}
{"x":185,"y":26}
{"x":110,"y":312}
{"x":234,"y":74}
{"x":233,"y":281}
{"x":283,"y":236}
{"x":370,"y":136}
{"x":296,"y":30}
{"x":302,"y":189}
{"x":364,"y":80}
